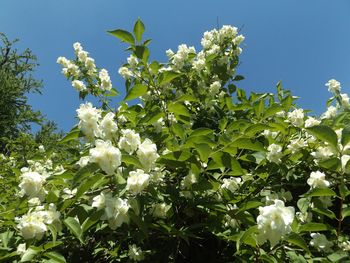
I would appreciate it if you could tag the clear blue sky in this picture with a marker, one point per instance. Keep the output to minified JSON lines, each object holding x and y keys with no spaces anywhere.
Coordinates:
{"x":302,"y":43}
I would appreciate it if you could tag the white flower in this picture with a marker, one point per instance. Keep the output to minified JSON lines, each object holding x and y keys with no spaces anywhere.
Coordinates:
{"x":231,"y":184}
{"x":125,"y":72}
{"x":116,"y":212}
{"x":106,"y":155}
{"x":330,"y":113}
{"x":238,"y":40}
{"x":106,"y":83}
{"x":129,"y":141}
{"x":344,"y":100}
{"x":137,"y":181}
{"x":77,"y":47}
{"x":317,"y":180}
{"x":89,"y":117}
{"x":108,"y":126}
{"x":21,"y":249}
{"x":83,"y":161}
{"x":310,"y":121}
{"x":160,"y":210}
{"x":323,"y":153}
{"x":297,"y":144}
{"x":333,"y":86}
{"x":41,"y":148}
{"x":147,"y":154}
{"x":321,"y":242}
{"x":215,"y":87}
{"x":189,"y":180}
{"x":78,"y":85}
{"x":274,"y":221}
{"x":269,"y":134}
{"x":169,"y":53}
{"x":344,"y":160}
{"x":99,"y":201}
{"x":32,"y":225}
{"x":296,"y":117}
{"x":32,"y":184}
{"x":135,"y":253}
{"x":227,"y":32}
{"x":133,"y":61}
{"x":63,"y":61}
{"x":274,"y":154}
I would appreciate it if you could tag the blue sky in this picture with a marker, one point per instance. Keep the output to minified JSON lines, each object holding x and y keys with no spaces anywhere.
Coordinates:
{"x":302,"y":43}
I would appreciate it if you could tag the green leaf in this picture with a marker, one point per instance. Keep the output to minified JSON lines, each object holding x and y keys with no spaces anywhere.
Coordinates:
{"x":246,"y":237}
{"x":297,"y":240}
{"x":320,"y":192}
{"x":201,"y":131}
{"x":343,"y":190}
{"x":249,"y":205}
{"x":168,"y":76}
{"x":55,"y":257}
{"x":338,"y":256}
{"x":345,"y":212}
{"x":313,"y":227}
{"x":177,"y":156}
{"x":246,"y":143}
{"x":112,"y":93}
{"x":324,"y":133}
{"x":74,"y":227}
{"x":139,"y":28}
{"x":30,"y":253}
{"x":92,"y":220}
{"x":123,"y":35}
{"x":326,"y":212}
{"x":345,"y":136}
{"x":253,"y":129}
{"x":86,"y":185}
{"x":136,"y":91}
{"x":72,"y":135}
{"x":178,"y":109}
{"x":204,"y":151}
{"x":332,"y":163}
{"x":272,"y":110}
{"x":131,"y":160}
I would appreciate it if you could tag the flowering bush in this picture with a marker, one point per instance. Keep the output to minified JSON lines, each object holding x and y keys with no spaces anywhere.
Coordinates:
{"x":198,"y":170}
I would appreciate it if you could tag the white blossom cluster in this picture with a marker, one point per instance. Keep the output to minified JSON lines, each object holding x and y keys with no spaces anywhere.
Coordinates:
{"x":34,"y":224}
{"x":115,"y":209}
{"x":84,"y":68}
{"x":318,"y":180}
{"x":274,"y":153}
{"x":274,"y":221}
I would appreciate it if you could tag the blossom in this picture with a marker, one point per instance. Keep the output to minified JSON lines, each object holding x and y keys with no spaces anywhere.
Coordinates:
{"x":133,"y":61}
{"x":215,"y":87}
{"x":108,"y":126}
{"x":32,"y":225}
{"x":160,"y":210}
{"x":296,"y":117}
{"x":231,"y":184}
{"x":89,"y":117}
{"x":41,"y":148}
{"x":274,"y":221}
{"x":238,"y":40}
{"x":78,"y":85}
{"x":63,"y":61}
{"x":179,"y":59}
{"x":189,"y":180}
{"x":323,"y":153}
{"x":83,"y":161}
{"x":135,"y":253}
{"x":310,"y":122}
{"x":32,"y":184}
{"x":317,"y":180}
{"x":274,"y":153}
{"x":99,"y":201}
{"x":116,"y":212}
{"x":333,"y":85}
{"x":330,"y":113}
{"x":21,"y":248}
{"x":344,"y":100}
{"x":147,"y":154}
{"x":137,"y":181}
{"x":321,"y":242}
{"x":296,"y":144}
{"x":129,"y":141}
{"x":106,"y":83}
{"x":106,"y":155}
{"x":125,"y":72}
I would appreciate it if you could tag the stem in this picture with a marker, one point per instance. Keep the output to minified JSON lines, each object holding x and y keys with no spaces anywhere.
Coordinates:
{"x":340,"y":219}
